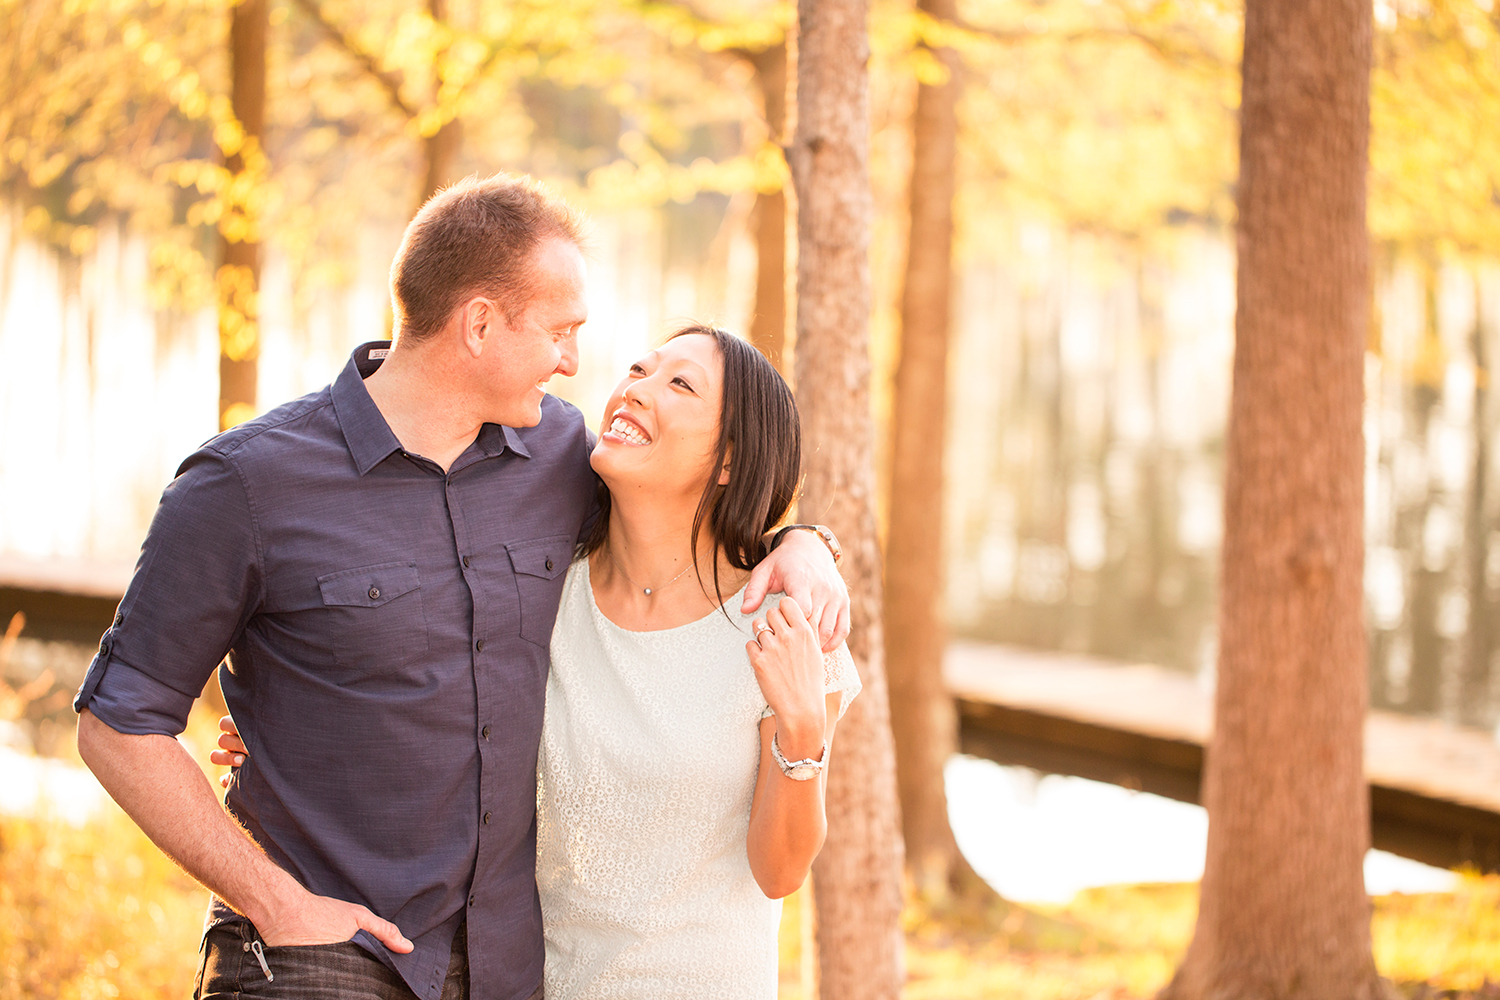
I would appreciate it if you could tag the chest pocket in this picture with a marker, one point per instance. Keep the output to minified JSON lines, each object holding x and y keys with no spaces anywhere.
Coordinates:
{"x":376,"y":614}
{"x":540,"y":565}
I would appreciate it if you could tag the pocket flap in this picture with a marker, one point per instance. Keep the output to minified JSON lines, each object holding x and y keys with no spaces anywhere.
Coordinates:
{"x":547,"y":558}
{"x":369,"y":586}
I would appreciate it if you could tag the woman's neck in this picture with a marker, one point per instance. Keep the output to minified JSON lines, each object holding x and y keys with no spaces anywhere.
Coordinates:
{"x":644,"y":576}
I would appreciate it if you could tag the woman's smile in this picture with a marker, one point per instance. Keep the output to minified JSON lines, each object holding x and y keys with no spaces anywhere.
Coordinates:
{"x":627,"y":429}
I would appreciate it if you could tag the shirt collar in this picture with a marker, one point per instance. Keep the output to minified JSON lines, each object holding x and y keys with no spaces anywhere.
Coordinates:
{"x":370,"y":439}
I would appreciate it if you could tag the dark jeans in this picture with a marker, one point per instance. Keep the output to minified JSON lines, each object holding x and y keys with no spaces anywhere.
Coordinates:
{"x":231,"y":968}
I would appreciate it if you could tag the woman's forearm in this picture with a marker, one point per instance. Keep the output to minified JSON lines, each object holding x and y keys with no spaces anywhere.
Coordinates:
{"x":787,"y":819}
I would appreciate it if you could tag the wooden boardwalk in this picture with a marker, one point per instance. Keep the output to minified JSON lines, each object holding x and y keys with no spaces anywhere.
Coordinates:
{"x":62,"y":599}
{"x":1434,"y":788}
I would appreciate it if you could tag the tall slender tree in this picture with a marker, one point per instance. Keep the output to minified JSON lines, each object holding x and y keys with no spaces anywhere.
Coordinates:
{"x":440,"y":145}
{"x":922,"y":715}
{"x":768,"y":324}
{"x":440,"y":149}
{"x":857,"y":875}
{"x":1283,"y":911}
{"x":238,"y":277}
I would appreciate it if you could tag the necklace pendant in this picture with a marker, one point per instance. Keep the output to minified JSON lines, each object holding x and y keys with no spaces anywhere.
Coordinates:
{"x":647,"y":590}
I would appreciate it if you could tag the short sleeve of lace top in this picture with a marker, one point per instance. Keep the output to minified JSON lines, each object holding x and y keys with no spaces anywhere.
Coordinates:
{"x":839,"y":674}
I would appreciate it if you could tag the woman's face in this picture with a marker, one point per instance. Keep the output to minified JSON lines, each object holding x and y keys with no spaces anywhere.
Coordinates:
{"x":661,"y":426}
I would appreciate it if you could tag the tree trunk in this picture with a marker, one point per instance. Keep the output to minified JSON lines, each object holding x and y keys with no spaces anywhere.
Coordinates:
{"x":857,"y":875}
{"x":922,"y":716}
{"x":439,"y":150}
{"x":439,"y":153}
{"x":1474,"y":683}
{"x":238,"y":276}
{"x":1283,"y":911}
{"x":768,"y":323}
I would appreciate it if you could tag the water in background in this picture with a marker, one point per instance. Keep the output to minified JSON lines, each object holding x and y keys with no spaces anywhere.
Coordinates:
{"x":1041,"y":838}
{"x":1090,"y":388}
{"x":1086,"y":458}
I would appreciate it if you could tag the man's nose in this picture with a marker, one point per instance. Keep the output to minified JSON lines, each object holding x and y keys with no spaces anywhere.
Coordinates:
{"x":567,"y":364}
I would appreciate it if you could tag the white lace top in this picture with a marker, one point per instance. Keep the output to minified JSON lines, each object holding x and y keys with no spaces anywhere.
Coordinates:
{"x":645,"y":777}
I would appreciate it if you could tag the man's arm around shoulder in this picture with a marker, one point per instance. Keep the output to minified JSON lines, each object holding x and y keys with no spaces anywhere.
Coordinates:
{"x":157,"y":783}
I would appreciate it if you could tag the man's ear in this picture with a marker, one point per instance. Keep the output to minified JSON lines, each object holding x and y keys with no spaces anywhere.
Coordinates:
{"x":480,"y":322}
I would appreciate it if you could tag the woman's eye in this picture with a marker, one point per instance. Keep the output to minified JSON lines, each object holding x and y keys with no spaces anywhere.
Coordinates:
{"x":637,"y":370}
{"x":679,"y":380}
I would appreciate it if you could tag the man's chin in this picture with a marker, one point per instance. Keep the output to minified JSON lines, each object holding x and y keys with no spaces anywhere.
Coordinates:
{"x":525,"y":416}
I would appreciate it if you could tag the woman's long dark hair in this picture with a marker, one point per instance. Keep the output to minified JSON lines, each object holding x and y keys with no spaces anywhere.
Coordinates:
{"x":760,"y":434}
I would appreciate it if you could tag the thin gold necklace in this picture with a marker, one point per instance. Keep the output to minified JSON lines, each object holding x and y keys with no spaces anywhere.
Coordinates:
{"x":646,"y":590}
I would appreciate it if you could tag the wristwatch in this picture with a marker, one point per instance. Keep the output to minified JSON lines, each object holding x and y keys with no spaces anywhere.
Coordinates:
{"x":822,"y":531}
{"x":799,"y":770}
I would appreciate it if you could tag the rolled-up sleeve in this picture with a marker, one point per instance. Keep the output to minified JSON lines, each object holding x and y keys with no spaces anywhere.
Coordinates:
{"x":196,"y":585}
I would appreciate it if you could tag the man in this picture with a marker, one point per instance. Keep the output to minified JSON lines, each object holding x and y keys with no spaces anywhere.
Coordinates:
{"x":382,"y":562}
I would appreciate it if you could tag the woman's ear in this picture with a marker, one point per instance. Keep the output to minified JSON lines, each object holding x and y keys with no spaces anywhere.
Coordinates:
{"x":724,"y":471}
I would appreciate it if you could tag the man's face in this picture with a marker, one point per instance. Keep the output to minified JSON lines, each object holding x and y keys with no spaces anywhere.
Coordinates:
{"x":543,"y":339}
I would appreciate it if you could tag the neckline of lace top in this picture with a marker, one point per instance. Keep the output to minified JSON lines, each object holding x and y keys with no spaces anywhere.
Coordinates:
{"x":729,"y":604}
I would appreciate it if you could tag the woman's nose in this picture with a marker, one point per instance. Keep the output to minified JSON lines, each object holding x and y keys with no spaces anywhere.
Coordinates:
{"x":638,"y":393}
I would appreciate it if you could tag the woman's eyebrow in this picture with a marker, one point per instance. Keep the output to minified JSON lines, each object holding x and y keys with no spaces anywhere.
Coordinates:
{"x":695,"y":366}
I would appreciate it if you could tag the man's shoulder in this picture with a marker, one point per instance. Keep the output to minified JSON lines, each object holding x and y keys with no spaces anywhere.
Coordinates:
{"x":265,"y":440}
{"x":269,"y":432}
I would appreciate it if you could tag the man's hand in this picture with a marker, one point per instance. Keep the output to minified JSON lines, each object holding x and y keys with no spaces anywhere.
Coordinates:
{"x":166,"y":793}
{"x":802,"y":568}
{"x":323,"y":920}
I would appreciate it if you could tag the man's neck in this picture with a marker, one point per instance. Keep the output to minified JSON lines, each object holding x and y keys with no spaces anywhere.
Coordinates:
{"x":414,"y":391}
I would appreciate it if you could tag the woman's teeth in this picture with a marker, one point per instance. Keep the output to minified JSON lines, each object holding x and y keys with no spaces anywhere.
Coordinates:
{"x":628,"y":431}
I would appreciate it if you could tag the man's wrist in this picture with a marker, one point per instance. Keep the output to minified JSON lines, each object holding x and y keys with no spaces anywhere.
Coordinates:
{"x":273,"y":902}
{"x":823,"y":532}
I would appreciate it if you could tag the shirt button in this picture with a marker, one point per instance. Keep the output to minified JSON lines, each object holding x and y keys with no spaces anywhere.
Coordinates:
{"x":119,"y":620}
{"x":466,"y":562}
{"x":487,"y":818}
{"x":374,"y":593}
{"x":471,"y":900}
{"x":104,"y":648}
{"x":485,"y":732}
{"x":549,"y":565}
{"x":479,"y":645}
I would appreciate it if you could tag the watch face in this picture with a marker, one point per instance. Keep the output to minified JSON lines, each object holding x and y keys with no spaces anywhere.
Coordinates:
{"x":803,"y":772}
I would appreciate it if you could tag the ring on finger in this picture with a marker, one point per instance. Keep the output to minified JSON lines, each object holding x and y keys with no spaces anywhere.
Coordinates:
{"x":760,"y":630}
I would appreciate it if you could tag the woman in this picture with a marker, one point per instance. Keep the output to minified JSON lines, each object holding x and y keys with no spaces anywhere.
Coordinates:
{"x":681,"y":773}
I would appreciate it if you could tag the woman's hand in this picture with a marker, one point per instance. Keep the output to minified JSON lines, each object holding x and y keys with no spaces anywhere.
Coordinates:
{"x":788,"y":662}
{"x":232,"y":750}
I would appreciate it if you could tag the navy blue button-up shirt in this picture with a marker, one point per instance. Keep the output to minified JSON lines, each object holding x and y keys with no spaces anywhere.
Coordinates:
{"x":386,"y":626}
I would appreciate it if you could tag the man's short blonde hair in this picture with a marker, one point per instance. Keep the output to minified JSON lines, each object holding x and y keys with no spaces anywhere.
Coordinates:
{"x":477,"y":237}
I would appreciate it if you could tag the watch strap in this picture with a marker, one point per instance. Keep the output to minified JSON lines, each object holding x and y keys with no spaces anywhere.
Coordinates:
{"x":798,"y":770}
{"x":821,"y":530}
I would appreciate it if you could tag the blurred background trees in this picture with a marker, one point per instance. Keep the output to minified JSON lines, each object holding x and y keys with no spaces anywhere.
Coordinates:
{"x":1051,"y":284}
